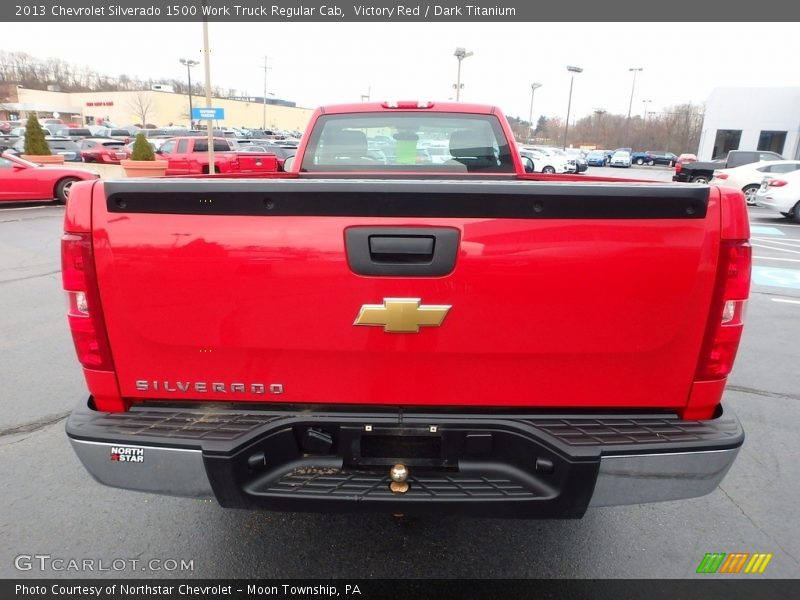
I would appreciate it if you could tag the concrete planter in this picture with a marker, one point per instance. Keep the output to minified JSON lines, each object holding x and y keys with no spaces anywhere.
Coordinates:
{"x":144,"y":168}
{"x":52,"y":159}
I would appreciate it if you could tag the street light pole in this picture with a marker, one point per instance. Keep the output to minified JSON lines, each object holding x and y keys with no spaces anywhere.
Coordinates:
{"x":460,"y":54}
{"x":189,"y":63}
{"x":572,"y":70}
{"x":534,"y":86}
{"x":264,"y":106}
{"x":645,"y":102}
{"x":633,"y":87}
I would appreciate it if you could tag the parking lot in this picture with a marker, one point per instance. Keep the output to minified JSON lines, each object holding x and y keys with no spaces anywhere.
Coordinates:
{"x":51,"y":506}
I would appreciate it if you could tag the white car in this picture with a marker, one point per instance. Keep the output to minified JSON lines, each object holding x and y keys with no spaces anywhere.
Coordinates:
{"x":620,"y":159}
{"x":748,"y":177}
{"x":544,"y":163}
{"x":572,"y":165}
{"x":781,"y":193}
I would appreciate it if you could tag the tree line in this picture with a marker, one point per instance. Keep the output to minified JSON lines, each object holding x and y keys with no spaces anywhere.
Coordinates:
{"x":59,"y":75}
{"x":675,"y":129}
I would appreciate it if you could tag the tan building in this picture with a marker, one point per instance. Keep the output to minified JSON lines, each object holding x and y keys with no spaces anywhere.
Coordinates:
{"x":159,"y":108}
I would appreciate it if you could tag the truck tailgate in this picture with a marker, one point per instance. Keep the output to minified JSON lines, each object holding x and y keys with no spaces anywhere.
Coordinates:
{"x":255,"y":162}
{"x":560,"y":294}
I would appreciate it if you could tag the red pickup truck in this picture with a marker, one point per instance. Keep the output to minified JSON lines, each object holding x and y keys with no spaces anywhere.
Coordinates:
{"x":372,"y":331}
{"x":189,"y":156}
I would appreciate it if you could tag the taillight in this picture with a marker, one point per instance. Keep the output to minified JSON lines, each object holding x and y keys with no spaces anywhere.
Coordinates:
{"x":83,"y":302}
{"x":678,"y":167}
{"x":720,"y":175}
{"x":777,"y":182}
{"x":724,"y":329}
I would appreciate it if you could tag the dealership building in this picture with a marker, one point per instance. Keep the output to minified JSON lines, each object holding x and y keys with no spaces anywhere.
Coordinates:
{"x":159,"y":107}
{"x":741,"y":118}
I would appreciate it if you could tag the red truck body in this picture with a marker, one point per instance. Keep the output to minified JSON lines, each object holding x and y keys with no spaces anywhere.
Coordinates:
{"x":317,"y":292}
{"x":189,"y":156}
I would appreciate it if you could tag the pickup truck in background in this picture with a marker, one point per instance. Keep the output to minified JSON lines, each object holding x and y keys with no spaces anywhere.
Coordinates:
{"x":703,"y":171}
{"x":404,"y":337}
{"x":189,"y":156}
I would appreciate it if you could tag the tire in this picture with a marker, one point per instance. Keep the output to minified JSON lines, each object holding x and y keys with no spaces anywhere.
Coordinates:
{"x":62,"y":189}
{"x":750,"y":194}
{"x":797,"y":213}
{"x":650,"y":163}
{"x":700,"y":179}
{"x":639,"y":161}
{"x":549,"y":170}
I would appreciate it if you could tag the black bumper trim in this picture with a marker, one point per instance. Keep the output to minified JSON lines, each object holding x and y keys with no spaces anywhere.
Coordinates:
{"x":506,"y":464}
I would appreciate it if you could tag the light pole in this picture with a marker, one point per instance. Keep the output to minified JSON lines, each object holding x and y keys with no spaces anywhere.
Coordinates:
{"x":460,"y":54}
{"x":264,"y":103}
{"x":572,"y":70}
{"x":633,"y":87}
{"x":534,"y":86}
{"x":645,"y":102}
{"x":189,"y":63}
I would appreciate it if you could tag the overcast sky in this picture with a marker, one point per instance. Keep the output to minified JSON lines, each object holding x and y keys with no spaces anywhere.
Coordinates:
{"x":323,"y":63}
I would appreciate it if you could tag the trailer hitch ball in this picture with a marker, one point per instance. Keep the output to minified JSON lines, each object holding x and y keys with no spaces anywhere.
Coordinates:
{"x":398,"y":474}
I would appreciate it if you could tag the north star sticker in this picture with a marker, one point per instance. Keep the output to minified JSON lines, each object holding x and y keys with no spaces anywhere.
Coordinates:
{"x":402,"y":315}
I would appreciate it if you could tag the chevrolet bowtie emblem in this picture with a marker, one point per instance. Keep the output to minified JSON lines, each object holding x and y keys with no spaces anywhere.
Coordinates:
{"x":402,"y":315}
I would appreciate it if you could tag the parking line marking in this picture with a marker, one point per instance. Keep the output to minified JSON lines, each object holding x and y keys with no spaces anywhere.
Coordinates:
{"x":762,"y":229}
{"x":791,"y":242}
{"x":776,"y":249}
{"x":785,"y":300}
{"x":785,"y":225}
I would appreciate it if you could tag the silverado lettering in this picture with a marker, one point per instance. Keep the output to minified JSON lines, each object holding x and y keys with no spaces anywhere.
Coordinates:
{"x":203,"y":387}
{"x":451,"y":332}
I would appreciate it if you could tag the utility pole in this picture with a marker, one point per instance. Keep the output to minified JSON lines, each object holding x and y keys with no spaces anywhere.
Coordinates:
{"x":264,"y":108}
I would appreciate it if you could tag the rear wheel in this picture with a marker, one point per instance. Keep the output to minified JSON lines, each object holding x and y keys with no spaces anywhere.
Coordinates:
{"x":750,"y":194}
{"x":650,"y":163}
{"x":700,"y":179}
{"x":639,"y":161}
{"x":549,"y":170}
{"x":797,"y":213}
{"x":63,"y":187}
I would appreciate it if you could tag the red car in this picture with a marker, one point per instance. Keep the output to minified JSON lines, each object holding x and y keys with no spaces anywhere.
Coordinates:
{"x":103,"y":151}
{"x":21,"y":180}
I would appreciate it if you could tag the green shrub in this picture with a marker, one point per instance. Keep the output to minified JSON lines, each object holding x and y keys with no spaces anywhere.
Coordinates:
{"x":142,"y":150}
{"x":35,"y":144}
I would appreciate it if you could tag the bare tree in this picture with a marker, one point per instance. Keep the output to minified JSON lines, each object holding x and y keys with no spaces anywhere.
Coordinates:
{"x":142,"y":105}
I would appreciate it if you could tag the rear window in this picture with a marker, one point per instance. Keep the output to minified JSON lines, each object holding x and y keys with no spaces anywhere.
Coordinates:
{"x":219,"y":146}
{"x":401,"y":141}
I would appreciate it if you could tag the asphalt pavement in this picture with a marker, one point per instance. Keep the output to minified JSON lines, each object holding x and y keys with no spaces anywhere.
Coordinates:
{"x":51,"y":506}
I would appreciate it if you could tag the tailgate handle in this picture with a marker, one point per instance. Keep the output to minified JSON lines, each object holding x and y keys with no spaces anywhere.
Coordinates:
{"x":402,"y":251}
